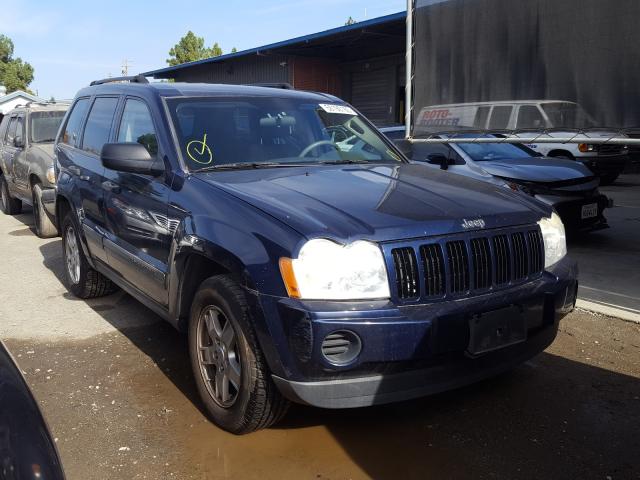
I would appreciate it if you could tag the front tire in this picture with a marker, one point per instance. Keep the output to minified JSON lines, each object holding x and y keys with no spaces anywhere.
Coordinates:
{"x":44,"y":226}
{"x":8,"y":205}
{"x":82,"y":280}
{"x":231,"y":374}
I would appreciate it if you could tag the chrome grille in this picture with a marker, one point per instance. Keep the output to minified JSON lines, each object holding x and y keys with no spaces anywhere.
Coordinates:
{"x":481,"y":255}
{"x":458,"y":266}
{"x":406,"y":265}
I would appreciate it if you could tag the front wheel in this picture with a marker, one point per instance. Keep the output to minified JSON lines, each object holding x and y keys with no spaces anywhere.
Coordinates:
{"x":82,"y":280}
{"x":44,"y":226}
{"x":229,"y":368}
{"x":8,"y":205}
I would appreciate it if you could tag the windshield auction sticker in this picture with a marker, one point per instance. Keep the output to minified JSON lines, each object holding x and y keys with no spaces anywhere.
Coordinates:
{"x":342,"y":109}
{"x":199,"y":151}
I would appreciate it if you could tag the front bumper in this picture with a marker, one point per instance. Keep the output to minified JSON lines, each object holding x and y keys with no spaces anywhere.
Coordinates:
{"x":49,"y":201}
{"x":410,"y":351}
{"x":603,"y":165}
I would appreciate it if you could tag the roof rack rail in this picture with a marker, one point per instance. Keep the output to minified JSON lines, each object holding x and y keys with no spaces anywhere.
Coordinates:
{"x":281,"y":86}
{"x":132,"y":79}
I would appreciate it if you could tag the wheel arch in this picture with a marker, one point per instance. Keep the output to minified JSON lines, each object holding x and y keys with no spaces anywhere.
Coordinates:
{"x":561,"y":153}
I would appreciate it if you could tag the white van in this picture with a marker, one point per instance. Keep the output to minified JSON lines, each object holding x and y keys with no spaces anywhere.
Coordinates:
{"x":606,"y":161}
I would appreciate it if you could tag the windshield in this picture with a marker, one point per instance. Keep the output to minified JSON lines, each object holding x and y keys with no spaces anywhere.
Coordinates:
{"x":238,"y":132}
{"x":569,"y":115}
{"x":44,"y":125}
{"x":482,"y":152}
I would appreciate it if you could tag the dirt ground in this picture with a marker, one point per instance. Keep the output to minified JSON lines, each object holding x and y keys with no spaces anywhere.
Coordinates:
{"x":123,"y":405}
{"x":115,"y":385}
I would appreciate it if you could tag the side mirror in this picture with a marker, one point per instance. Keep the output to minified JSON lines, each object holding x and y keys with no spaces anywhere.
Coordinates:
{"x":439,"y":159}
{"x":18,"y":142}
{"x":405,"y":147}
{"x":130,"y":158}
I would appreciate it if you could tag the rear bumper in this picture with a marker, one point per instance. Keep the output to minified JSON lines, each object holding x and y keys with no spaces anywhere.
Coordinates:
{"x":570,"y":211}
{"x":414,"y":351}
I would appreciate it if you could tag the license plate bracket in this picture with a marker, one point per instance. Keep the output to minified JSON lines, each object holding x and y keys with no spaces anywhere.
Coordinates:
{"x":589,"y":210}
{"x":497,"y":329}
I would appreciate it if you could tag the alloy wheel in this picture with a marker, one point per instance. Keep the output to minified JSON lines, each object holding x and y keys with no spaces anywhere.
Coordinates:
{"x":72,"y":255}
{"x":218,"y":356}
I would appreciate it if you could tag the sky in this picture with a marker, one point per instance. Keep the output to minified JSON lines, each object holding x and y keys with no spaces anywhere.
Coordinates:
{"x":71,"y":42}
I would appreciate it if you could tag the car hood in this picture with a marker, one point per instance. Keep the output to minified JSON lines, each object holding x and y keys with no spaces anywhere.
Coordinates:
{"x":379,"y":203}
{"x":537,"y":169}
{"x":42,"y":150}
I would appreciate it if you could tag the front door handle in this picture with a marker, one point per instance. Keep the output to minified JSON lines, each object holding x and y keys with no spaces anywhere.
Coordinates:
{"x":111,"y":186}
{"x":75,"y":170}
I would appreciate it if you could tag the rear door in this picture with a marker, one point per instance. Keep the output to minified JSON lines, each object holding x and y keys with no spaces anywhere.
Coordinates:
{"x":138,"y":229}
{"x":8,"y":123}
{"x":10,"y":151}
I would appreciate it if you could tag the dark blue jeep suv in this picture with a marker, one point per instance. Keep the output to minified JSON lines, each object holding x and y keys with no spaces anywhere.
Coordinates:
{"x":303,"y":268}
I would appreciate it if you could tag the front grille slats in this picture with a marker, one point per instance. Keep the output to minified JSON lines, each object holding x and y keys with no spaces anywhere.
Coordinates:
{"x":458,"y":266}
{"x":433,"y":266}
{"x":481,"y":262}
{"x":520,"y":258}
{"x":461,"y":267}
{"x":406,"y":266}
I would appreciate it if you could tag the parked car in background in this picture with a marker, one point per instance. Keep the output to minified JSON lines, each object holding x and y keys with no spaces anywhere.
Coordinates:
{"x":567,"y":186}
{"x":26,"y":162}
{"x":291,"y":260}
{"x":605,"y":161}
{"x":27,"y":450}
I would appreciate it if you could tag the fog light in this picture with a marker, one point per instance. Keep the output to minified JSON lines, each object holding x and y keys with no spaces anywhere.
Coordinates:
{"x":341,"y":347}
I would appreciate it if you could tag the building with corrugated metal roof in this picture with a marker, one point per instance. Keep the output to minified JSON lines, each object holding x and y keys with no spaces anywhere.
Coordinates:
{"x":363,"y":63}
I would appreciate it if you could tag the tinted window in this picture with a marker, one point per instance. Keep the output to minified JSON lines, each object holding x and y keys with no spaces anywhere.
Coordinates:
{"x":71,"y":134}
{"x":137,"y":126}
{"x":395,"y":134}
{"x":20,"y":128}
{"x":3,"y":127}
{"x":213,"y":132}
{"x":493,"y":151}
{"x":11,"y":132}
{"x":44,"y":126}
{"x":481,"y":117}
{"x":421,"y":151}
{"x":500,"y":118}
{"x":98,"y":127}
{"x":530,"y":117}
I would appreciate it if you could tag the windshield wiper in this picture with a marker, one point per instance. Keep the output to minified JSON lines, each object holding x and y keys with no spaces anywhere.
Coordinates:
{"x":249,"y":165}
{"x":343,"y":162}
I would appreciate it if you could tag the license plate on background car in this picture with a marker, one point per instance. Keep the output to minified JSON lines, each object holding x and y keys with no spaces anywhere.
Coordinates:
{"x":590,"y":210}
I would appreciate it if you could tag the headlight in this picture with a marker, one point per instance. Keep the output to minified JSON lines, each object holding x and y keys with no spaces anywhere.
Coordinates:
{"x":325,"y":270}
{"x":555,"y":240}
{"x":51,"y":175}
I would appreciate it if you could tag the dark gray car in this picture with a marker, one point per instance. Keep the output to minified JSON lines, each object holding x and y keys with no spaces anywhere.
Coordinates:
{"x":26,"y":162}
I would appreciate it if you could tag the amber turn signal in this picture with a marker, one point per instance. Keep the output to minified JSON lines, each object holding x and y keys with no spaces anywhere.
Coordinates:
{"x":289,"y":278}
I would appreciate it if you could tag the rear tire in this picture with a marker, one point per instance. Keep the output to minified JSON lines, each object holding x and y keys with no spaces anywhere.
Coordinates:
{"x":82,"y":280}
{"x":608,"y":179}
{"x":9,"y":206}
{"x":231,"y":373}
{"x":44,"y":226}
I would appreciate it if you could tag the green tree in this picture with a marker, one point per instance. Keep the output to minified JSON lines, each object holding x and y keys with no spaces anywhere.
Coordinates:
{"x":350,"y":21}
{"x":234,"y":50}
{"x":191,"y":48}
{"x":15,"y":74}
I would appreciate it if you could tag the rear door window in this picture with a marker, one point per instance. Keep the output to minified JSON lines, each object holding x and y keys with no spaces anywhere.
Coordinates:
{"x":71,"y":132}
{"x":529,"y":116}
{"x":11,"y":131}
{"x":136,"y":126}
{"x":3,"y":128}
{"x":98,"y":127}
{"x":500,"y":117}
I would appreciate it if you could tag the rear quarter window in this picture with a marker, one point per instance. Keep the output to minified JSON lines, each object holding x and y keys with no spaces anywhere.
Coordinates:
{"x":71,"y":132}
